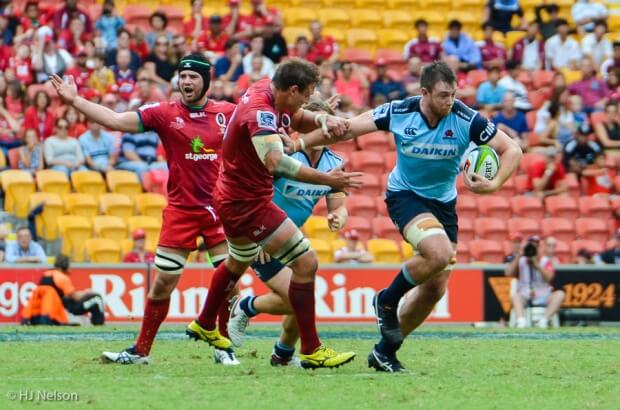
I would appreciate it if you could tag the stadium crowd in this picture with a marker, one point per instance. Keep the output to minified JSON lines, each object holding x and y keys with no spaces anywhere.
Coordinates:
{"x":554,"y":87}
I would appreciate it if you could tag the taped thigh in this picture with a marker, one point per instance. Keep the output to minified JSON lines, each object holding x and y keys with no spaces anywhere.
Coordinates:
{"x":296,"y":246}
{"x":243,"y":253}
{"x":168,"y":262}
{"x":422,"y":229}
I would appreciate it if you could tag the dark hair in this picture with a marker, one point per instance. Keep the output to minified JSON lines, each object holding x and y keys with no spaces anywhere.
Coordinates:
{"x":62,"y":262}
{"x":495,"y":69}
{"x":600,"y":22}
{"x":554,"y":109}
{"x":420,"y":22}
{"x":48,"y":99}
{"x":296,"y":72}
{"x":22,"y":228}
{"x":123,"y":30}
{"x":230,"y":43}
{"x":486,"y":24}
{"x":553,"y":8}
{"x":561,"y":22}
{"x":318,"y":105}
{"x":611,"y":103}
{"x":455,"y":24}
{"x":436,"y":72}
{"x":512,"y":64}
{"x":161,"y":15}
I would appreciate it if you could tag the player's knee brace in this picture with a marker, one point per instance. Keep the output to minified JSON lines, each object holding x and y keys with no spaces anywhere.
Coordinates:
{"x":243,"y":253}
{"x":168,"y":262}
{"x":295,"y":247}
{"x":422,"y":229}
{"x":217,"y":260}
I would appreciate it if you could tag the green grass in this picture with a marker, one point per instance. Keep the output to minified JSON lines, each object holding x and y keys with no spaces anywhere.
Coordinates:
{"x":450,"y":368}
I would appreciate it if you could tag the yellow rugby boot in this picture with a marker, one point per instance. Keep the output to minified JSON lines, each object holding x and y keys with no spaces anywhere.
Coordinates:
{"x":325,"y":357}
{"x":213,"y":337}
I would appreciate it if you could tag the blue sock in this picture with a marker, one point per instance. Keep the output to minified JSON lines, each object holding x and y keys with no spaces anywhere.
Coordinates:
{"x":387,"y":348}
{"x":283,"y":350}
{"x":401,"y":284}
{"x":247,"y":305}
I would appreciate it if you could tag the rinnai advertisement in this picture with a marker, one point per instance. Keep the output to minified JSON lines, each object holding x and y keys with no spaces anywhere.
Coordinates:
{"x":342,"y":294}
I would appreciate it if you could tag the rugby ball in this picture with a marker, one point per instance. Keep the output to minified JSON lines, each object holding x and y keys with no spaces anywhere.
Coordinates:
{"x":482,"y":160}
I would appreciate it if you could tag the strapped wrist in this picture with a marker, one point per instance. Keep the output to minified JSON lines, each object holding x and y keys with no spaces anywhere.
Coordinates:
{"x":302,"y":144}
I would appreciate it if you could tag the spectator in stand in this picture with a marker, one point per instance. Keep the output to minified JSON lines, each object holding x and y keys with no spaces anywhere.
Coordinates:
{"x":40,"y":116}
{"x":220,"y":91}
{"x":460,"y":45}
{"x":49,"y":59}
{"x":62,"y":18}
{"x":158,"y":64}
{"x":512,"y":121}
{"x":9,"y":129}
{"x":322,"y":48}
{"x":583,"y":257}
{"x":580,"y":153}
{"x":158,"y":23}
{"x":24,"y":249}
{"x":612,"y":255}
{"x":411,"y":79}
{"x":31,"y":153}
{"x":80,"y":71}
{"x":499,"y":14}
{"x":197,"y":22}
{"x":547,"y":177}
{"x":21,"y":64}
{"x":613,"y":85}
{"x":275,"y":47}
{"x":139,"y":153}
{"x":7,"y":33}
{"x":326,"y":89}
{"x":301,"y":48}
{"x":511,"y":83}
{"x":124,"y":76}
{"x":257,"y":20}
{"x":102,"y":78}
{"x":384,"y":85}
{"x":109,"y":24}
{"x":179,"y":47}
{"x":249,"y":78}
{"x":98,"y":148}
{"x":465,"y":91}
{"x":76,"y":122}
{"x":598,"y":178}
{"x":549,"y":25}
{"x":493,"y":54}
{"x":256,"y":49}
{"x":351,"y":84}
{"x":586,"y":13}
{"x":31,"y":20}
{"x":123,"y":42}
{"x":4,"y":232}
{"x":548,"y":132}
{"x":346,"y":109}
{"x":592,"y":90}
{"x":63,"y":153}
{"x":529,"y":51}
{"x":74,"y":38}
{"x":354,"y":251}
{"x":608,"y":131}
{"x":517,"y":242}
{"x":596,"y":45}
{"x":138,"y":253}
{"x":213,"y":39}
{"x":14,"y":100}
{"x":237,"y":25}
{"x":561,"y":50}
{"x":145,"y":91}
{"x":229,"y":67}
{"x":612,"y":63}
{"x":490,"y":93}
{"x":426,"y":48}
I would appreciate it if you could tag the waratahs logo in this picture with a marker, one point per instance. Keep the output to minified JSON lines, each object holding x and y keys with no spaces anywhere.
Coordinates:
{"x":199,"y":152}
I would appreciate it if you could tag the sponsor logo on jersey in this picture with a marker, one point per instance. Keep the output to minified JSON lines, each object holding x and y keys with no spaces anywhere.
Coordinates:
{"x":428,"y":151}
{"x":199,"y":152}
{"x":295,"y":191}
{"x":449,"y":135}
{"x":381,"y":111}
{"x":409,"y":131}
{"x":177,"y":124}
{"x":266,"y":119}
{"x":200,"y":114}
{"x":488,"y":132}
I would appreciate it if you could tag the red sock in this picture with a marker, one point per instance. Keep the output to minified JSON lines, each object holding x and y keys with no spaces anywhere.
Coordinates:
{"x":154,"y":314}
{"x":222,"y":318}
{"x":301,"y":296}
{"x":222,"y":283}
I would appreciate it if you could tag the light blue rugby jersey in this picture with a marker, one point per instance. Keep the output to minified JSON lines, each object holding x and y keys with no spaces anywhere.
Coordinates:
{"x":298,"y":199}
{"x":427,"y":160}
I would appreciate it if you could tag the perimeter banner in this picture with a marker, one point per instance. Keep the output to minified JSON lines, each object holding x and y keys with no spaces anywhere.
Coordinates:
{"x":342,"y":294}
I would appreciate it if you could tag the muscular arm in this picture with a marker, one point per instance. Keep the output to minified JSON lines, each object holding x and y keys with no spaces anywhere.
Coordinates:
{"x":124,"y":121}
{"x":337,"y":211}
{"x":360,"y":125}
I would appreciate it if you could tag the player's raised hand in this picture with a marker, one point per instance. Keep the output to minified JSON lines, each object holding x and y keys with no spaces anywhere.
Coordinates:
{"x":341,"y":180}
{"x":479,"y":184}
{"x":335,"y":222}
{"x":67,"y":91}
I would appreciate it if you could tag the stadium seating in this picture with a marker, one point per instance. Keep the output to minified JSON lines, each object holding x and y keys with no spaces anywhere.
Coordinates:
{"x":362,"y":38}
{"x":361,"y":205}
{"x":301,"y":16}
{"x":323,"y":250}
{"x":126,"y":246}
{"x":466,"y":206}
{"x":150,"y":204}
{"x":366,"y":18}
{"x":150,"y":225}
{"x":370,"y":185}
{"x":591,"y":246}
{"x":81,"y":205}
{"x":390,"y":160}
{"x":562,"y":206}
{"x":49,"y":180}
{"x":381,"y":206}
{"x":362,"y":225}
{"x":102,"y":250}
{"x":528,"y":159}
{"x":462,"y":252}
{"x":406,"y":250}
{"x":491,"y":228}
{"x":494,"y":206}
{"x":117,"y":205}
{"x":375,"y":141}
{"x":563,"y":252}
{"x":521,"y":184}
{"x":357,"y":55}
{"x":88,"y":182}
{"x":367,"y":161}
{"x":466,"y":229}
{"x":509,"y":189}
{"x":524,"y":226}
{"x":74,"y":230}
{"x":156,"y":181}
{"x":47,"y":222}
{"x":484,"y":250}
{"x":595,"y":207}
{"x":335,"y":18}
{"x":592,"y":229}
{"x":383,"y":227}
{"x":316,"y":227}
{"x":17,"y":186}
{"x":110,"y":227}
{"x":397,"y":19}
{"x":562,"y":229}
{"x":320,"y":208}
{"x":291,"y":34}
{"x":384,"y":250}
{"x":123,"y":182}
{"x":527,"y":207}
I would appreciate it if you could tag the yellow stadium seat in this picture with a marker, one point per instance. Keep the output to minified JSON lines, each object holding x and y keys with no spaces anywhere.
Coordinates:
{"x":102,"y":250}
{"x":88,"y":182}
{"x":344,"y":4}
{"x":47,"y":221}
{"x":74,"y":231}
{"x":367,"y":18}
{"x":512,"y":37}
{"x":49,"y":180}
{"x":150,"y":204}
{"x":316,"y":227}
{"x":397,"y":19}
{"x":81,"y":205}
{"x":362,"y":38}
{"x":469,"y":21}
{"x":17,"y":186}
{"x":338,"y":244}
{"x":338,"y":35}
{"x":384,"y":250}
{"x":127,"y":246}
{"x":323,"y":250}
{"x":406,"y":249}
{"x":437,"y":20}
{"x":151,"y":227}
{"x":335,"y":18}
{"x":3,"y":160}
{"x":290,"y":34}
{"x":124,"y":182}
{"x":392,"y":38}
{"x":110,"y":227}
{"x":571,"y":75}
{"x":470,"y":5}
{"x":299,"y":16}
{"x":117,"y":205}
{"x":370,"y":4}
{"x":406,"y":5}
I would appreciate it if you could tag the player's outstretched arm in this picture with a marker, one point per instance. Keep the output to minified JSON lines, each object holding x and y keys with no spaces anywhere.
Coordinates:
{"x":337,"y":213}
{"x":125,"y":122}
{"x":306,"y":121}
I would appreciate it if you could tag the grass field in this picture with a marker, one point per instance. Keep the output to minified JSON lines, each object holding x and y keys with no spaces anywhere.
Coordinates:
{"x":449,"y":368}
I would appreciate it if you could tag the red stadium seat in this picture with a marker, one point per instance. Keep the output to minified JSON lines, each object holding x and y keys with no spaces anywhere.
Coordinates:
{"x":383,"y":227}
{"x":175,"y":17}
{"x":524,"y":226}
{"x":477,"y":77}
{"x":371,"y":185}
{"x":527,"y":207}
{"x":508,"y":190}
{"x":461,"y":189}
{"x":592,"y":247}
{"x":595,"y":207}
{"x":598,"y":117}
{"x":375,"y":141}
{"x":489,"y":251}
{"x":362,"y":206}
{"x":462,"y":252}
{"x":531,"y":119}
{"x":593,"y":229}
{"x":528,"y":159}
{"x":357,"y":56}
{"x":494,"y":206}
{"x":320,"y":208}
{"x":493,"y":229}
{"x":574,"y":189}
{"x":384,"y":181}
{"x":345,"y":146}
{"x":345,"y":157}
{"x":368,"y":162}
{"x":381,"y":206}
{"x":361,"y":225}
{"x":137,"y":15}
{"x":393,"y":58}
{"x":562,"y":229}
{"x":390,"y":160}
{"x":521,"y":184}
{"x":542,"y":78}
{"x":563,"y":252}
{"x":562,"y":206}
{"x":466,"y":229}
{"x":466,"y":206}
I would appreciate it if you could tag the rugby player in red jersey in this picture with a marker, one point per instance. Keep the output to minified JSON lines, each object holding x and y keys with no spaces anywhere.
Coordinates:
{"x":191,"y":132}
{"x":252,"y":154}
